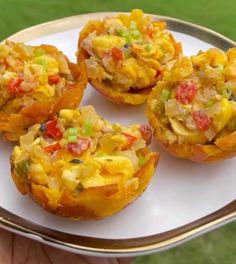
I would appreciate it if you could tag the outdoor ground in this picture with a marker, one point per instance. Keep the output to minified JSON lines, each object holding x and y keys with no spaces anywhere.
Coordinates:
{"x":217,"y":247}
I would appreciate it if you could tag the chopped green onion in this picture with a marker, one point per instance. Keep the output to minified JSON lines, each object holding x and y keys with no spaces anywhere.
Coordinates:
{"x":231,"y":125}
{"x":72,"y":131}
{"x":159,"y":107}
{"x":122,"y":32}
{"x":209,"y":103}
{"x":87,"y":127}
{"x":39,"y":52}
{"x":72,"y":139}
{"x":133,"y":25}
{"x":165,"y":95}
{"x":141,"y":161}
{"x":225,"y":92}
{"x":40,"y":61}
{"x":148,"y":47}
{"x":135,"y":34}
{"x":128,"y":39}
{"x":21,"y":168}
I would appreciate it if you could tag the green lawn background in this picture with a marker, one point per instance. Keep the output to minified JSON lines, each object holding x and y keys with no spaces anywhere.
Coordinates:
{"x":217,"y":247}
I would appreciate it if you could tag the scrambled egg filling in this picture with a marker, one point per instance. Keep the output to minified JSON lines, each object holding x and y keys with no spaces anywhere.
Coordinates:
{"x":129,"y":50}
{"x":197,"y":101}
{"x":78,"y":150}
{"x":30,"y":74}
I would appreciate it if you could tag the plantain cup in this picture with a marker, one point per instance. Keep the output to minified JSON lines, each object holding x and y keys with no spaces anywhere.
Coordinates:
{"x":126,"y":55}
{"x":80,"y":166}
{"x":36,"y":82}
{"x":193,"y":110}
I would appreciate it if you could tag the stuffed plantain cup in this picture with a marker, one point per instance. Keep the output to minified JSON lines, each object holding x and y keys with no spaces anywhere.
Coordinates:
{"x":35,"y":82}
{"x":193,"y":110}
{"x":125,"y":55}
{"x":80,"y":166}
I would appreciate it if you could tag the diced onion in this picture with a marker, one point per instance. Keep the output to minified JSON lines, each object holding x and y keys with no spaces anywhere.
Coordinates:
{"x":210,"y":133}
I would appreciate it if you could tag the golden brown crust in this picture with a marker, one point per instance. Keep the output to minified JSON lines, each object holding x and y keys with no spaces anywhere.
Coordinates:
{"x":14,"y":125}
{"x":91,"y":26}
{"x":222,"y":148}
{"x":89,"y":204}
{"x":134,"y":98}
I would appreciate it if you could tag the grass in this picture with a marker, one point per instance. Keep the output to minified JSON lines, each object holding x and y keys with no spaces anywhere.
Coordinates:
{"x":217,"y":247}
{"x":215,"y":14}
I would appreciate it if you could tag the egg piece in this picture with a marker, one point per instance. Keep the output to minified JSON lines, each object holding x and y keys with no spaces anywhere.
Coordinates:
{"x":192,"y":137}
{"x":101,"y":44}
{"x":224,"y":115}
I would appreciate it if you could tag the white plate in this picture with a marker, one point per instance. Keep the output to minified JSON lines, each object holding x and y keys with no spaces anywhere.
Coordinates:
{"x":181,"y":200}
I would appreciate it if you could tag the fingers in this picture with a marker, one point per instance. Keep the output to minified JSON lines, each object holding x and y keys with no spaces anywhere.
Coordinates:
{"x":6,"y":239}
{"x":15,"y":249}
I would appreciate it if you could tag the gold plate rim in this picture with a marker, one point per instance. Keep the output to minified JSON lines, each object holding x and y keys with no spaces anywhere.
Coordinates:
{"x":120,"y":247}
{"x":71,"y":22}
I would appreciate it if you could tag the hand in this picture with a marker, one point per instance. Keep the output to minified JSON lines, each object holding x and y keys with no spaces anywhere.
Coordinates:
{"x":15,"y":249}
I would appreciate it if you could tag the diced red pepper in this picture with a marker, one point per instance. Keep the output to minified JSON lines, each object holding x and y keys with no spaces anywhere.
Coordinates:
{"x":79,"y":147}
{"x":52,"y":148}
{"x":201,"y":119}
{"x":13,"y":87}
{"x":146,"y":133}
{"x":158,"y":73}
{"x":116,"y":54}
{"x":51,"y":130}
{"x":185,"y":92}
{"x":53,"y":79}
{"x":150,"y":33}
{"x":130,"y":140}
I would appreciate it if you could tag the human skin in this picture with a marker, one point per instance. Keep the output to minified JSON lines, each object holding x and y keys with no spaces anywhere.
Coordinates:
{"x":16,"y":249}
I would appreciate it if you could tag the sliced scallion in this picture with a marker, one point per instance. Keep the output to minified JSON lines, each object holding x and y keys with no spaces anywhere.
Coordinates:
{"x":21,"y":168}
{"x":165,"y":95}
{"x":87,"y":127}
{"x":72,"y":139}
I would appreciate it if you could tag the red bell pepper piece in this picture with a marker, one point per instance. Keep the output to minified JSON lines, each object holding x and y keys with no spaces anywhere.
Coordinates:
{"x":185,"y":92}
{"x":52,"y":148}
{"x":51,"y":130}
{"x":150,"y":33}
{"x":201,"y":119}
{"x":79,"y":147}
{"x":116,"y":54}
{"x":53,"y":79}
{"x":13,"y":87}
{"x":158,"y":73}
{"x":130,"y":140}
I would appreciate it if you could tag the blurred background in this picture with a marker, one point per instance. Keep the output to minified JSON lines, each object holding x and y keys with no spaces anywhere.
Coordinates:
{"x":217,"y":247}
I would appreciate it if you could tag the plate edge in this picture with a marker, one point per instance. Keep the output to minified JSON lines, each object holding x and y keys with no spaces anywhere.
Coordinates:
{"x":119,"y":247}
{"x":49,"y":28}
{"x":59,"y":25}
